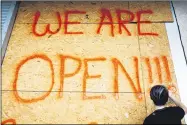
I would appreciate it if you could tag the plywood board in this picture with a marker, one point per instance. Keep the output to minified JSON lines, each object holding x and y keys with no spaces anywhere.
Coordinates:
{"x":71,"y":109}
{"x":48,"y":10}
{"x":161,"y":11}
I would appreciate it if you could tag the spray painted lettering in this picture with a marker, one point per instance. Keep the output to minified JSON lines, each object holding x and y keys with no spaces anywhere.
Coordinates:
{"x":117,"y":65}
{"x":105,"y":14}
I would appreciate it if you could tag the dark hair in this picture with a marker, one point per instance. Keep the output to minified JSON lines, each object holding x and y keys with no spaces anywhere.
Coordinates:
{"x":159,"y":95}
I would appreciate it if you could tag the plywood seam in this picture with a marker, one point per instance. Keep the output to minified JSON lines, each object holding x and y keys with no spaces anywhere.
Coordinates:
{"x":68,"y":91}
{"x":142,"y":75}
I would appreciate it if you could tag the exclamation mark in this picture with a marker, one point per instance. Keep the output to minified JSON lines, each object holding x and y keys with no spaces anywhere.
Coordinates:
{"x":166,"y":67}
{"x":157,"y":62}
{"x":147,"y":62}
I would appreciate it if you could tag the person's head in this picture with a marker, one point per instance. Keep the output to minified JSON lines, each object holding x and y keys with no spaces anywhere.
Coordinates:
{"x":159,"y":95}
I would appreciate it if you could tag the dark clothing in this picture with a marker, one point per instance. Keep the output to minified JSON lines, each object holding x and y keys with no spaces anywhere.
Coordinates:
{"x":170,"y":115}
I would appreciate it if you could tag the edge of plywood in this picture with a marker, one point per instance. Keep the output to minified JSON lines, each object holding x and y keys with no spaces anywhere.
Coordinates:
{"x":178,"y":58}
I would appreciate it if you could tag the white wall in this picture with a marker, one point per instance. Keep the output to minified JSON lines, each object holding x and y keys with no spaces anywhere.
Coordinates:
{"x":181,"y":14}
{"x":177,"y":49}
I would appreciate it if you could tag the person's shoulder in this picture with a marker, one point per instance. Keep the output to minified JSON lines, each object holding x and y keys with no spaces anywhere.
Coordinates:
{"x":174,"y":108}
{"x":177,"y":110}
{"x":150,"y":116}
{"x":148,"y":119}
